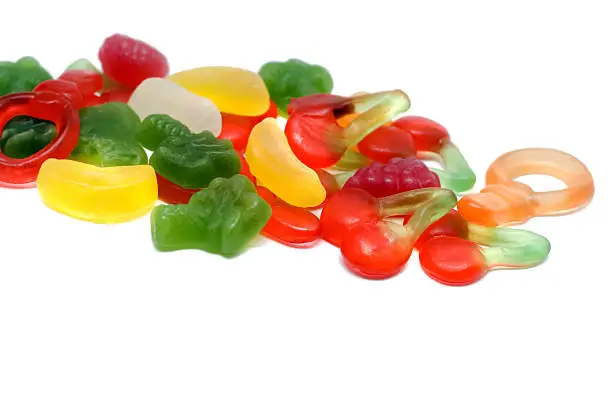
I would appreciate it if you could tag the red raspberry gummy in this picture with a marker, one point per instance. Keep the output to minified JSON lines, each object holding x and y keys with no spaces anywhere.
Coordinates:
{"x":130,"y":61}
{"x":395,"y":176}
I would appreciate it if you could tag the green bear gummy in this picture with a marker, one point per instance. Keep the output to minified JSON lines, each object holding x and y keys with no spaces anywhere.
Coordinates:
{"x":24,"y":136}
{"x":155,"y":128}
{"x":222,"y":219}
{"x":21,"y":76}
{"x":108,"y":136}
{"x":194,"y":160}
{"x":292,"y":79}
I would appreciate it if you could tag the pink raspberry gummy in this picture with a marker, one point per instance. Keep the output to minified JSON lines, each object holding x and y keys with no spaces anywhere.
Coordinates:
{"x":395,"y":176}
{"x":130,"y":61}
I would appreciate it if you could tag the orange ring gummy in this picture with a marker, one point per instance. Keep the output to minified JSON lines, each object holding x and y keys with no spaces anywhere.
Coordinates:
{"x":505,"y":201}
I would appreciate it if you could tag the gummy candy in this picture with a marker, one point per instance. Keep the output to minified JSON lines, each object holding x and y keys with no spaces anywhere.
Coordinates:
{"x":289,"y":225}
{"x":451,"y":225}
{"x":395,"y":176}
{"x":21,"y":173}
{"x":21,"y":76}
{"x":222,"y":219}
{"x":380,"y":248}
{"x":172,"y":193}
{"x":293,"y":79}
{"x":155,"y":128}
{"x":505,"y":201}
{"x":161,"y":96}
{"x":237,"y":129}
{"x":108,"y":136}
{"x":432,"y":141}
{"x":275,"y":167}
{"x":24,"y":135}
{"x":88,"y":82}
{"x":319,"y":141}
{"x":96,"y":194}
{"x":456,"y":261}
{"x":352,"y":206}
{"x":351,"y":160}
{"x":130,"y":61}
{"x":386,"y":143}
{"x":232,"y":90}
{"x":193,"y":160}
{"x":66,"y":88}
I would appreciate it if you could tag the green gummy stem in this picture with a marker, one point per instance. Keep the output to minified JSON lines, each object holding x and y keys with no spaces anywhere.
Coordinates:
{"x":457,"y":174}
{"x":427,"y":206}
{"x":351,"y":160}
{"x":508,"y":247}
{"x":374,"y":110}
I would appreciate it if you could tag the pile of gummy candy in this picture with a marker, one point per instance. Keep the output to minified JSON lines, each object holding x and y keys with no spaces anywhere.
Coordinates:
{"x":105,"y":146}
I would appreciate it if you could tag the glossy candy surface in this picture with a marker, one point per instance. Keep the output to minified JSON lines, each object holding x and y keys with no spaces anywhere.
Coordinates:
{"x":222,"y":219}
{"x":289,"y":225}
{"x":21,"y":76}
{"x":505,"y":201}
{"x":456,"y":261}
{"x":232,"y":90}
{"x":451,"y":225}
{"x":66,"y":88}
{"x":161,"y":96}
{"x":237,"y":129}
{"x":313,"y":131}
{"x":432,"y":142}
{"x":293,"y":79}
{"x":108,"y":136}
{"x":395,"y":176}
{"x":21,"y":173}
{"x":130,"y":61}
{"x":96,"y":194}
{"x":379,"y":249}
{"x":386,"y":143}
{"x":274,"y":165}
{"x":193,"y":160}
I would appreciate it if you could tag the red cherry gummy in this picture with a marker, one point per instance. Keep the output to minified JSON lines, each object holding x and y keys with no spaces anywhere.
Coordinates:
{"x":452,"y":261}
{"x":452,"y":225}
{"x":387,"y":142}
{"x":396,"y":176}
{"x":130,"y":61}
{"x":345,"y":209}
{"x":374,"y":251}
{"x":428,"y":136}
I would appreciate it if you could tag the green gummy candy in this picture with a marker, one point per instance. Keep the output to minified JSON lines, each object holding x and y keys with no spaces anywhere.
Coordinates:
{"x":21,"y":76}
{"x":108,"y":136}
{"x":155,"y":128}
{"x":220,"y":219}
{"x":194,"y":160}
{"x":24,"y":136}
{"x":293,"y":79}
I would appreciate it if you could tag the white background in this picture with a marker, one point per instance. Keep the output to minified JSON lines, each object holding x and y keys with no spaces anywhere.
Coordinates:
{"x":92,"y":316}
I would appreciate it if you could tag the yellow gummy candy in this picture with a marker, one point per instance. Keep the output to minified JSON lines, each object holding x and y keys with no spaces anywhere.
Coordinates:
{"x":273,"y":163}
{"x":97,"y":194}
{"x":233,"y":90}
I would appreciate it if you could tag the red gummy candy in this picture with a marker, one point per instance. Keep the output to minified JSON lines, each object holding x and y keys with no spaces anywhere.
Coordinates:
{"x":51,"y":106}
{"x":374,"y":251}
{"x":396,"y":176}
{"x":171,"y":193}
{"x":428,"y":136}
{"x":245,"y":170}
{"x":451,"y":225}
{"x":289,"y":225}
{"x":130,"y":61}
{"x":453,"y":261}
{"x":88,"y":82}
{"x":237,"y":129}
{"x":66,"y":88}
{"x":387,"y":142}
{"x":345,"y":209}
